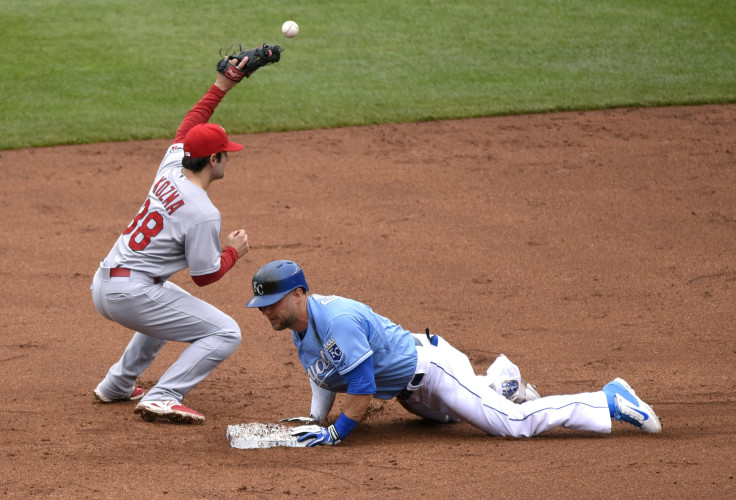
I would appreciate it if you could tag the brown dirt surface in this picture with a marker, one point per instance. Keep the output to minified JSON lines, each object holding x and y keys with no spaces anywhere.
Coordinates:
{"x":584,"y":246}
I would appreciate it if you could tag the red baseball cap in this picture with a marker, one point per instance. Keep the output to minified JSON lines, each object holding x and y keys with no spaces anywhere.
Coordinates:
{"x":208,"y":139}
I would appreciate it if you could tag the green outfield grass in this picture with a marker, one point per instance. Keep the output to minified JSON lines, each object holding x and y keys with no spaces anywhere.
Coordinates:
{"x":78,"y":71}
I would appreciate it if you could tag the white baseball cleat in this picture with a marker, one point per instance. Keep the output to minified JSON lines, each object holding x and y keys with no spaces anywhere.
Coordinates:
{"x":168,"y":411}
{"x":530,"y":392}
{"x":626,"y":406}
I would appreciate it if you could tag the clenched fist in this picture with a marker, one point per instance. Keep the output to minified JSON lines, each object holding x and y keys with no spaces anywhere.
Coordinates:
{"x":239,"y":241}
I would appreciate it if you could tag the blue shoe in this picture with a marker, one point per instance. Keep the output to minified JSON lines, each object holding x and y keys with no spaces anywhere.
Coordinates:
{"x":626,"y":406}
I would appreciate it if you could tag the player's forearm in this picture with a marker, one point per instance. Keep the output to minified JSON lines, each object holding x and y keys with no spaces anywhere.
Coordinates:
{"x":355,"y":405}
{"x":200,"y":112}
{"x":353,"y":411}
{"x":322,"y":401}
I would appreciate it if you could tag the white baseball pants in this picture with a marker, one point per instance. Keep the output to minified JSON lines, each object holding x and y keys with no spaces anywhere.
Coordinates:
{"x":159,"y":313}
{"x":451,"y":392}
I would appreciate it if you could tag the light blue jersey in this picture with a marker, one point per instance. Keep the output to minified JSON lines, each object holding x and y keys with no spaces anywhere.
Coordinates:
{"x":343,"y":333}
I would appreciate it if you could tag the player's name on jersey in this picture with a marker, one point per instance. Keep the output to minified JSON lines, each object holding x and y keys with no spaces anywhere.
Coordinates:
{"x":167,"y":195}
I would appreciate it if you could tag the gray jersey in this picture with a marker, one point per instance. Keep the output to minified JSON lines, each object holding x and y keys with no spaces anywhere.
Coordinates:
{"x":177,"y":227}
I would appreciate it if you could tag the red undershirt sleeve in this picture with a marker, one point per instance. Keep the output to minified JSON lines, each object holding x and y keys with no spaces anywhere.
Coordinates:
{"x":200,"y":112}
{"x":227,"y":260}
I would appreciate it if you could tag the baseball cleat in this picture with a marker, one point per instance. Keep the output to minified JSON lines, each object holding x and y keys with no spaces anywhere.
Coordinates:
{"x":530,"y":392}
{"x":136,"y":394}
{"x":626,"y":406}
{"x":168,"y":411}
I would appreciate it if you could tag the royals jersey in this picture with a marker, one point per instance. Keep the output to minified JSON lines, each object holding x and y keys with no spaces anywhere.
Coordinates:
{"x":177,"y":227}
{"x":343,"y":333}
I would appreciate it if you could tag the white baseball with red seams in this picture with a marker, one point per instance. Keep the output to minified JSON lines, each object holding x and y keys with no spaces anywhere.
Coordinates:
{"x":290,"y":29}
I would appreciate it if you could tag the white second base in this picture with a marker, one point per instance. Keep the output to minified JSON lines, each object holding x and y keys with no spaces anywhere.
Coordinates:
{"x":257,"y":435}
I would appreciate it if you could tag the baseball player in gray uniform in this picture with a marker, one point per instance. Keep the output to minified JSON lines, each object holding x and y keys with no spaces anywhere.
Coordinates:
{"x":346,"y":347}
{"x":177,"y":227}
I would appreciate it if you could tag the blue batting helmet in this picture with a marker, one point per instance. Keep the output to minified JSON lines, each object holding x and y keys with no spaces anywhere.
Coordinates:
{"x":274,"y":280}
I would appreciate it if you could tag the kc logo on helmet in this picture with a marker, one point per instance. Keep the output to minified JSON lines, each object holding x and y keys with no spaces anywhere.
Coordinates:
{"x":258,"y":288}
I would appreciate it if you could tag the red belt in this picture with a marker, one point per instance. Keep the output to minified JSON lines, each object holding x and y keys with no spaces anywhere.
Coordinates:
{"x":121,"y":272}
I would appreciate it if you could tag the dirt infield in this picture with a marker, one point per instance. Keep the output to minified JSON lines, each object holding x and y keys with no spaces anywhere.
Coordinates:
{"x":584,"y":246}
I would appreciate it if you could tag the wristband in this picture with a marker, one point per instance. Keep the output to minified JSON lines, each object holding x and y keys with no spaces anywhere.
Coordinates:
{"x":344,"y":425}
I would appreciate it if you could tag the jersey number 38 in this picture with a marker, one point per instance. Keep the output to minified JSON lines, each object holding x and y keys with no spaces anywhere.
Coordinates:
{"x":145,"y":226}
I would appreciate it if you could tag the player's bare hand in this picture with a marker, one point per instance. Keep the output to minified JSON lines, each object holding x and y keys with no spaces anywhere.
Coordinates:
{"x":239,"y":241}
{"x":224,"y":83}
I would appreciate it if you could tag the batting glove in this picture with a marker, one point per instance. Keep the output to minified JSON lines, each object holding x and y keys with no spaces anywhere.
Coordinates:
{"x":316,"y":435}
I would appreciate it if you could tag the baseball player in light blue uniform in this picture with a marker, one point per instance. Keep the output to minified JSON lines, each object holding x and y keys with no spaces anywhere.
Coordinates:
{"x":331,"y":352}
{"x":346,"y":347}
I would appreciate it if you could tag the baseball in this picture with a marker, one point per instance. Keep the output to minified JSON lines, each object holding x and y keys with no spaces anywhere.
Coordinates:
{"x":290,"y":29}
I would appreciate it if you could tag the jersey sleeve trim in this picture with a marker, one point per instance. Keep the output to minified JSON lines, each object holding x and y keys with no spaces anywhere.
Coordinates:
{"x":357,"y":362}
{"x":227,"y":260}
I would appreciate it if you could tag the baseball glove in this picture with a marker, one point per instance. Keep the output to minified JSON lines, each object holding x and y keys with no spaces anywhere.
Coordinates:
{"x":257,"y":57}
